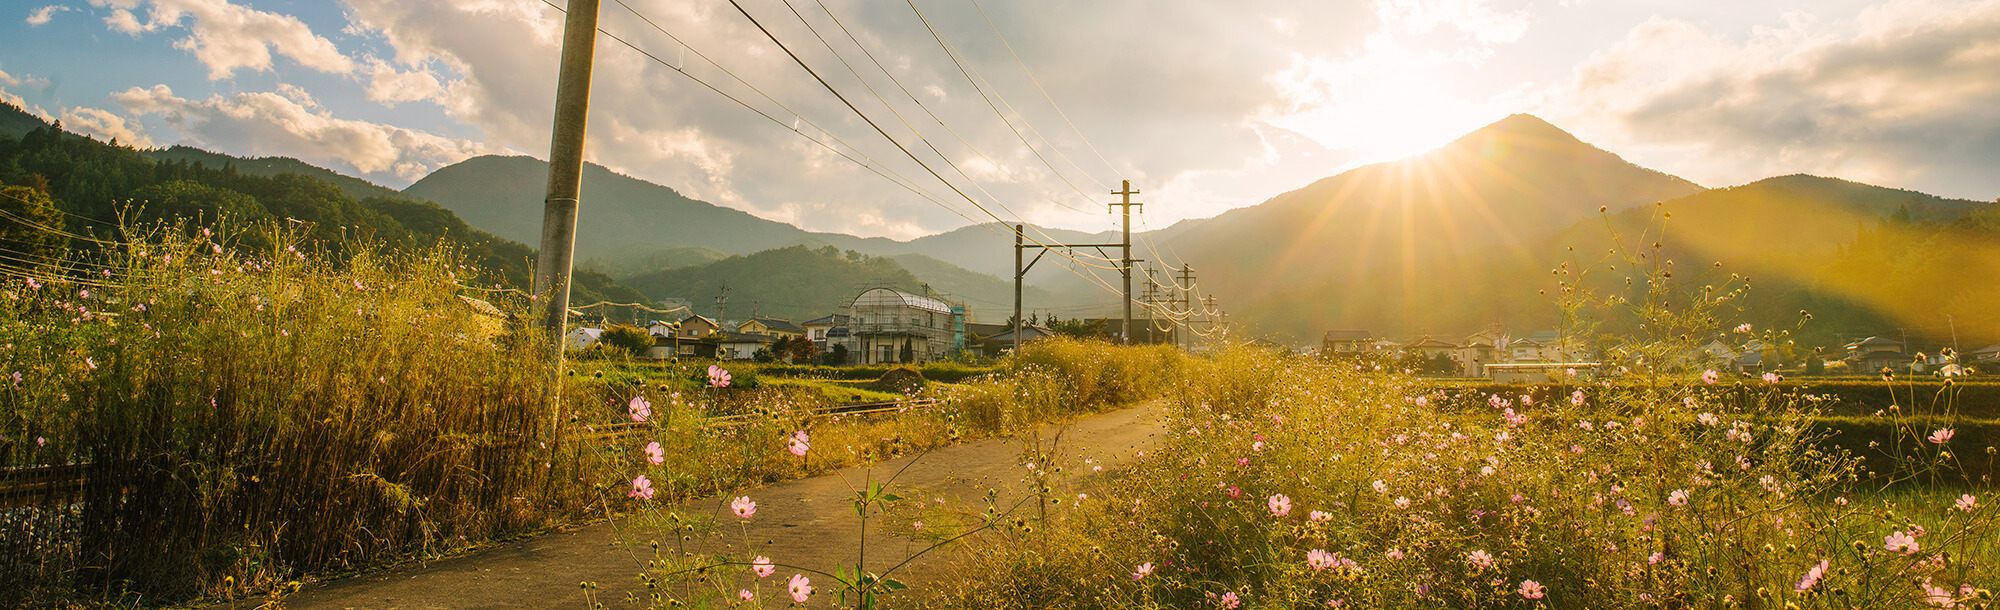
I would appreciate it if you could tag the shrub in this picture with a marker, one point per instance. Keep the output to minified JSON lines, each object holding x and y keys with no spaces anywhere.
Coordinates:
{"x":631,"y":340}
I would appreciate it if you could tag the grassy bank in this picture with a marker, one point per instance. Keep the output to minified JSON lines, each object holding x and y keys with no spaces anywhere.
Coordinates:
{"x":1296,"y":484}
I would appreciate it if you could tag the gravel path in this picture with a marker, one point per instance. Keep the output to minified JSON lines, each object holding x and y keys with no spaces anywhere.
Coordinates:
{"x":807,"y":523}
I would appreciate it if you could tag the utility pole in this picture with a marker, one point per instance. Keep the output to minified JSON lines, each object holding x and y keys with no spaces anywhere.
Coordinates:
{"x":1021,"y":271}
{"x":1152,"y":299}
{"x":1186,"y":286}
{"x":1126,"y":268}
{"x":721,"y":305}
{"x":565,"y":186}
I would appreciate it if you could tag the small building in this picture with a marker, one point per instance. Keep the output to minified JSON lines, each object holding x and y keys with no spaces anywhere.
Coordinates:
{"x":1479,"y":350}
{"x":664,"y":348}
{"x":730,"y":345}
{"x":1862,"y":348}
{"x":1003,"y":343}
{"x":582,"y":338}
{"x":816,"y":329}
{"x":1347,"y":343}
{"x":1527,"y":350}
{"x":1430,"y":349}
{"x":697,"y":327}
{"x":773,"y":327}
{"x":661,"y":329}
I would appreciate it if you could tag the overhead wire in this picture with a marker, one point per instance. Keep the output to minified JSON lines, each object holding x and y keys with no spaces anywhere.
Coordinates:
{"x":1051,"y":99}
{"x":1061,"y":251}
{"x":951,"y":53}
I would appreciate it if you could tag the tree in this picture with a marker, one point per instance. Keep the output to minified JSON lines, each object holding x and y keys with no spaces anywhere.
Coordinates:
{"x":28,"y":220}
{"x":798,"y":350}
{"x":630,"y":339}
{"x":909,"y":354}
{"x":834,"y":356}
{"x":1077,"y":328}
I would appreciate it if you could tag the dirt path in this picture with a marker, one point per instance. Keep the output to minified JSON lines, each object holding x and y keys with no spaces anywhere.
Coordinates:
{"x":807,"y":523}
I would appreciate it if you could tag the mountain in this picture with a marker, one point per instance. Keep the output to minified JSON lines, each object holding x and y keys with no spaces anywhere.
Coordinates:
{"x":670,"y":257}
{"x":620,"y":214}
{"x":15,"y":122}
{"x":1508,"y":182}
{"x":272,"y":166}
{"x":1863,"y":259}
{"x":794,"y":282}
{"x":98,"y":186}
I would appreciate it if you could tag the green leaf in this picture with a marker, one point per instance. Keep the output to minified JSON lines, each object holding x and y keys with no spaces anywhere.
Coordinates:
{"x":892,"y":584}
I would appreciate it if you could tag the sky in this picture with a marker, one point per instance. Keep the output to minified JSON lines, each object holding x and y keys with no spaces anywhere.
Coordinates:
{"x":1029,"y":109}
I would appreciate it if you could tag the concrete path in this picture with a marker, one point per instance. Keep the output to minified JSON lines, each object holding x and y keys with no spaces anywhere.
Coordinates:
{"x":807,"y":523}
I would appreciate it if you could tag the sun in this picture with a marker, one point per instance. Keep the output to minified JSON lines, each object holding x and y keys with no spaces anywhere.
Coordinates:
{"x":1387,"y":103}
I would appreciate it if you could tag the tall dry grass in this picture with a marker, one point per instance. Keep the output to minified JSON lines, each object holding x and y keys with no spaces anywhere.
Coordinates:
{"x":245,"y":416}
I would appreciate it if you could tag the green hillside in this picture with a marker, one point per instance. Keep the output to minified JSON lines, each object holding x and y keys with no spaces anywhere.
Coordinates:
{"x":797,"y":283}
{"x":670,"y":257}
{"x":94,"y":186}
{"x":15,"y":122}
{"x":272,"y":166}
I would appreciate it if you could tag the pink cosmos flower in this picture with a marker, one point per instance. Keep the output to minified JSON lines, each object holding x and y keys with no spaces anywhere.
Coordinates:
{"x":743,"y":507}
{"x":1710,"y":377}
{"x":1143,"y":570}
{"x":1770,"y":378}
{"x":642,"y":488}
{"x":639,"y":409}
{"x":1655,"y":558}
{"x":1743,"y":328}
{"x":1576,"y":398}
{"x":717,"y":377}
{"x":1942,"y":435}
{"x":1812,"y":577}
{"x":762,"y":567}
{"x":1280,"y":505}
{"x":1257,"y":446}
{"x":745,"y":595}
{"x":1531,"y":589}
{"x":1380,"y":487}
{"x":798,"y":443}
{"x":1679,"y":497}
{"x":1967,"y":502}
{"x":1901,"y":542}
{"x":1480,"y":559}
{"x":801,"y":588}
{"x":655,"y":454}
{"x":1319,"y":559}
{"x":1396,"y":553}
{"x":1320,"y":515}
{"x":1402,"y":502}
{"x":1230,"y":601}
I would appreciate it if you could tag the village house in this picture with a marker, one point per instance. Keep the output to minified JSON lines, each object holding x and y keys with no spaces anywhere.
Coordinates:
{"x":696,"y":327}
{"x":773,"y":327}
{"x":1347,"y":343}
{"x":1479,"y":350}
{"x":731,"y":345}
{"x":1002,"y":343}
{"x":819,"y":330}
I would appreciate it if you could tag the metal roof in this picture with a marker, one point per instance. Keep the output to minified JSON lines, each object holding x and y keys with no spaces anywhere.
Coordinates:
{"x":884,"y":297}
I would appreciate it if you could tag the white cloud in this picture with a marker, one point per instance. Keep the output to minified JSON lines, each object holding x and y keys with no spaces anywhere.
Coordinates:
{"x":227,"y":37}
{"x":1475,"y":18}
{"x":1903,"y":95}
{"x":288,"y":123}
{"x":104,"y":125}
{"x":41,"y":16}
{"x":389,"y":85}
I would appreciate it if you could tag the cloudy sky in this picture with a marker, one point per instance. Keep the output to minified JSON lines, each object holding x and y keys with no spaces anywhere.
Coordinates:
{"x":1034,"y":109}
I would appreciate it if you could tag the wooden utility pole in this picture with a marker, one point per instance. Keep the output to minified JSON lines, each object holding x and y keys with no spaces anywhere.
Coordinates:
{"x":559,"y":206}
{"x":1019,"y":272}
{"x":1186,"y":286}
{"x":1126,"y":267}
